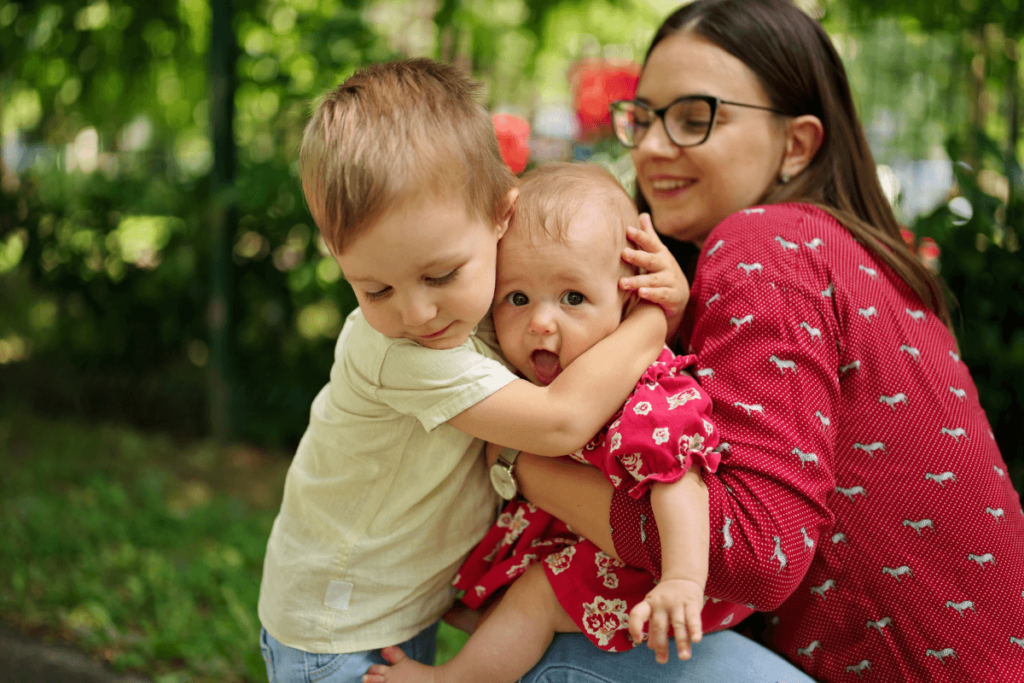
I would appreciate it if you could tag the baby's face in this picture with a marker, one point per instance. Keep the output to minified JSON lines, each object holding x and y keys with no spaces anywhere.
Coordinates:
{"x":554,"y":301}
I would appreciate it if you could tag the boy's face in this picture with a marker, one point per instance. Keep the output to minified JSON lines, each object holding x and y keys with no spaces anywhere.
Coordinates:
{"x":554,"y":301}
{"x":425,"y":272}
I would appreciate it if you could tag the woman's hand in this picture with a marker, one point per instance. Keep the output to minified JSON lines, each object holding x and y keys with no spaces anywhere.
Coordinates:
{"x":662,"y":281}
{"x":673,"y":601}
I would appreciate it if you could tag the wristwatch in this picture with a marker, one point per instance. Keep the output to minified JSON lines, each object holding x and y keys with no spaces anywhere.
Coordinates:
{"x":502,"y":477}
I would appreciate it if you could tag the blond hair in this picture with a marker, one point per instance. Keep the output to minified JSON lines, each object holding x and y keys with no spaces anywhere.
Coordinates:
{"x":553,"y":195}
{"x":397,"y":132}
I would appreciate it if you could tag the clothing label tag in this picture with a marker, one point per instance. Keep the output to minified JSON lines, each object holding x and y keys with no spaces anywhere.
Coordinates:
{"x":338,"y":593}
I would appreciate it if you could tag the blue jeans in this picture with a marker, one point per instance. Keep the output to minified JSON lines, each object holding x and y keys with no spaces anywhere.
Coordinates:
{"x":721,"y":657}
{"x":288,"y":665}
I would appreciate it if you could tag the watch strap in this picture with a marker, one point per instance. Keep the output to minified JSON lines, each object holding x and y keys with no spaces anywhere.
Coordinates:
{"x":508,"y":457}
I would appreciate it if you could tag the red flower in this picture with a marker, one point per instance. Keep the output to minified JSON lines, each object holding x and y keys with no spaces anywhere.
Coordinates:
{"x":928,"y":251}
{"x":513,"y":140}
{"x":596,"y":85}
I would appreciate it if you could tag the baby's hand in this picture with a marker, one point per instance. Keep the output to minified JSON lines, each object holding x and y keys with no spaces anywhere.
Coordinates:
{"x":673,"y":601}
{"x":662,"y":281}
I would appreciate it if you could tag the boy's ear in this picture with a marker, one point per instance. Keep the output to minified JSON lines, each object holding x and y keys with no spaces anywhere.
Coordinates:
{"x":510,"y":199}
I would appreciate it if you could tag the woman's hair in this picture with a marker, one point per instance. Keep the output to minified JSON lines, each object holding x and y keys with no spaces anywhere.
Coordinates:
{"x":799,"y":69}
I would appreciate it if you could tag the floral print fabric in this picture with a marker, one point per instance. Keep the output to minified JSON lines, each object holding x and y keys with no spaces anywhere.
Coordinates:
{"x":661,"y":430}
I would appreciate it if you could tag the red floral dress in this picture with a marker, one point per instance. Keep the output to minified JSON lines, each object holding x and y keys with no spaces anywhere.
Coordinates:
{"x":662,"y":428}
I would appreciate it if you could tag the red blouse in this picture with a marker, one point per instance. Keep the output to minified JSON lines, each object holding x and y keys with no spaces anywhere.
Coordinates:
{"x":861,"y":499}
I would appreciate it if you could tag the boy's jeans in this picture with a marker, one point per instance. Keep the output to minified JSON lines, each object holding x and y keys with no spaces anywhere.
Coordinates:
{"x":288,"y":665}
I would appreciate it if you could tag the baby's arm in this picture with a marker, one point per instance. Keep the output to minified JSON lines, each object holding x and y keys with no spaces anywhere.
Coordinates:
{"x":662,"y":281}
{"x":681,"y":510}
{"x":563,"y":416}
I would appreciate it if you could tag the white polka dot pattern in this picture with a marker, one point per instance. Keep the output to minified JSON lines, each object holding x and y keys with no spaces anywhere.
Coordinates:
{"x":861,"y":497}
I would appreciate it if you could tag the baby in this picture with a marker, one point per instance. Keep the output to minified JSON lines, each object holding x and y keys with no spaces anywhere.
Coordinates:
{"x":558,"y":294}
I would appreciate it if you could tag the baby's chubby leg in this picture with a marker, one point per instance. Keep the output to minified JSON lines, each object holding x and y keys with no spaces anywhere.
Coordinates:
{"x":504,"y":647}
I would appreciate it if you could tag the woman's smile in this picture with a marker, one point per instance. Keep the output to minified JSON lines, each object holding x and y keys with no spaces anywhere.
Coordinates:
{"x":666,"y":186}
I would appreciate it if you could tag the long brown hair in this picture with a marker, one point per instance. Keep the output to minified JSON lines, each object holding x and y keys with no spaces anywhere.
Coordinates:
{"x":799,"y":69}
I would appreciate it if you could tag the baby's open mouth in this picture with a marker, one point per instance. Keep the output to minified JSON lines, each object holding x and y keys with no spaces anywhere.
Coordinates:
{"x":545,"y":366}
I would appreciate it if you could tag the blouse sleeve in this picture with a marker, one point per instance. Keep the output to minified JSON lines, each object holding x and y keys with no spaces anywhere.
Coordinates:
{"x":766,"y":336}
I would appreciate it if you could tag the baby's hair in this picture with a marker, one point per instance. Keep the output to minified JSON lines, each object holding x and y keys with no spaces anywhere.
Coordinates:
{"x":554,"y":194}
{"x":398,"y":132}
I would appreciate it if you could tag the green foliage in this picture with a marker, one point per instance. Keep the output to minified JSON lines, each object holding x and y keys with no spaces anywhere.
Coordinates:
{"x":112,"y":282}
{"x":105,"y":251}
{"x":145,"y":554}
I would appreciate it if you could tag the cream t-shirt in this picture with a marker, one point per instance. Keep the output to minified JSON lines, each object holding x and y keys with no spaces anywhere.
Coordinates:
{"x":383,"y":500}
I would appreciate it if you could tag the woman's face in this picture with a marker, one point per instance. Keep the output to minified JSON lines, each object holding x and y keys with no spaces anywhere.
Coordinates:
{"x":690,"y":190}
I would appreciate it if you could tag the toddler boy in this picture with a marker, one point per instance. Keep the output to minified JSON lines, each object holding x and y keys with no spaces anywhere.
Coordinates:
{"x":387,"y":492}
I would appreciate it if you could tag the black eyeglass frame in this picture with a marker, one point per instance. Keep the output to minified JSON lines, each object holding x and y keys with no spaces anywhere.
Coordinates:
{"x":711,"y":100}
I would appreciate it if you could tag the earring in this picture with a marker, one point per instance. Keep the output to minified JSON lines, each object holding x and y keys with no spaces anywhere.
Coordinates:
{"x":784,"y":178}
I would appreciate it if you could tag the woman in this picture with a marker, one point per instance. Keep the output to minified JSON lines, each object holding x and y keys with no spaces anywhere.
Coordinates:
{"x":862,"y":501}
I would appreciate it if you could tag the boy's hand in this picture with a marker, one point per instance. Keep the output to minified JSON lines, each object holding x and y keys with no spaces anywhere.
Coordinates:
{"x":675,"y":602}
{"x":662,"y":281}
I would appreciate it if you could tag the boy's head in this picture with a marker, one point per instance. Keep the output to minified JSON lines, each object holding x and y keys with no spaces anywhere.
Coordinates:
{"x":402,"y":173}
{"x":559,"y":266}
{"x":396,"y":133}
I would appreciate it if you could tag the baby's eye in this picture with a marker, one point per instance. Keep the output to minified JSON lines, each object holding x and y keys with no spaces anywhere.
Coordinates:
{"x":573,"y":299}
{"x":517,"y":299}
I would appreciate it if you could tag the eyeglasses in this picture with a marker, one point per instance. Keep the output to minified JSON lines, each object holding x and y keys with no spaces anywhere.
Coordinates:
{"x":688,"y":120}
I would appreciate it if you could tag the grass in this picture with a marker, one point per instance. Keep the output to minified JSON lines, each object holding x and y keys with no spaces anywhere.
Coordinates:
{"x":143,"y":552}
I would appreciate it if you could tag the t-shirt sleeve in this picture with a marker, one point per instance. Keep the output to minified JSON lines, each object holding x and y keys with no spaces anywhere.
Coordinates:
{"x":486,"y":333}
{"x":765,"y":334}
{"x":661,"y":430}
{"x":436,"y":385}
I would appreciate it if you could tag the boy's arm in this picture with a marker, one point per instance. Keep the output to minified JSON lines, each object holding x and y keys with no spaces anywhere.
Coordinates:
{"x":681,"y":510}
{"x":563,"y":416}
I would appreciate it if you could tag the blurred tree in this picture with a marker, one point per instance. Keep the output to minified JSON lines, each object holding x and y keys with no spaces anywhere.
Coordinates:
{"x":223,"y":220}
{"x":988,"y":36}
{"x":107,"y":213}
{"x":114,"y":174}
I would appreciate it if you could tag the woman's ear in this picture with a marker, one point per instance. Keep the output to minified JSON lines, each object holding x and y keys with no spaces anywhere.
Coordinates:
{"x":804,"y":135}
{"x":511,"y":198}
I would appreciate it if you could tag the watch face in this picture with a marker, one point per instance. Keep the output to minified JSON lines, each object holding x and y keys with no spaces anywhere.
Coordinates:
{"x":502,"y":481}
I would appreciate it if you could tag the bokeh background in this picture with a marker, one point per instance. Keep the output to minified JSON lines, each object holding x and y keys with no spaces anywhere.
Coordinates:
{"x":168,"y":311}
